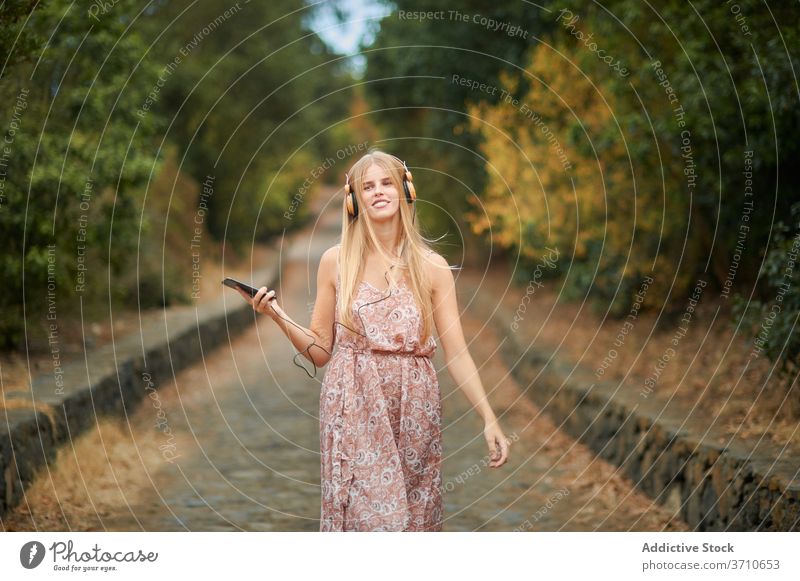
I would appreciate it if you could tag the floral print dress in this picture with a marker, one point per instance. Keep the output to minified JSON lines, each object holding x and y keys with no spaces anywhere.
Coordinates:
{"x":380,"y":420}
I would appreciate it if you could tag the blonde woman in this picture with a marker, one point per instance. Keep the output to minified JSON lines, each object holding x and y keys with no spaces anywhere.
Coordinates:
{"x":378,"y":293}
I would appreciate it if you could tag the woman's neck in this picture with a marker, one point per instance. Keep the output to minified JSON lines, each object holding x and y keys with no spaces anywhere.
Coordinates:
{"x":390,"y":249}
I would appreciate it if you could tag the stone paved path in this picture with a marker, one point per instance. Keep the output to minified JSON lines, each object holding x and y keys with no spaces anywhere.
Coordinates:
{"x":246,"y":427}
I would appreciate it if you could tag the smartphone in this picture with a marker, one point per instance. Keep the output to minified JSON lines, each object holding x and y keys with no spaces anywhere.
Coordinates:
{"x":233,"y":283}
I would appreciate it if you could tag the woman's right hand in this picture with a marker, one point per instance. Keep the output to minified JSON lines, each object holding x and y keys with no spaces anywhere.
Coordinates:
{"x":264,"y":302}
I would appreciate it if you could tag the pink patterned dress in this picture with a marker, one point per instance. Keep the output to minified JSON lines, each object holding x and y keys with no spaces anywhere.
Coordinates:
{"x":380,"y":420}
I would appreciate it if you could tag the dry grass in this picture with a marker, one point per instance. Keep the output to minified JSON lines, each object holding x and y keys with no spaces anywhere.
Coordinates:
{"x":601,"y":496}
{"x":104,"y":469}
{"x":705,"y":375}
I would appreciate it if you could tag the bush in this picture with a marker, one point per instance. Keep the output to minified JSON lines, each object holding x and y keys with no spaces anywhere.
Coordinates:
{"x":774,"y":322}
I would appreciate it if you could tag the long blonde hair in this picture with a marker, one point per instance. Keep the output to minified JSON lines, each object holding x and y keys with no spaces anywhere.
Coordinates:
{"x":358,"y":237}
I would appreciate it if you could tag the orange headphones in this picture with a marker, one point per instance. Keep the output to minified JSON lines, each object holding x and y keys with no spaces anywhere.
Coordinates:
{"x":351,"y":201}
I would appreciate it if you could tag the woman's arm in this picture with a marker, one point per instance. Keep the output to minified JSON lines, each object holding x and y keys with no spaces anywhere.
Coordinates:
{"x":457,"y":357}
{"x":322,"y":319}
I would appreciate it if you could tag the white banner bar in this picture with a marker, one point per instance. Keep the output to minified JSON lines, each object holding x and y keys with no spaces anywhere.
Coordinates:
{"x":401,"y":556}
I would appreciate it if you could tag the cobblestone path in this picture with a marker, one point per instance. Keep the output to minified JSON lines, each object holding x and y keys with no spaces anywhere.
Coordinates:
{"x":246,"y":427}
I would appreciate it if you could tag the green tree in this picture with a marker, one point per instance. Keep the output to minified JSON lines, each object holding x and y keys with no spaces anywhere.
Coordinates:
{"x":733,"y":69}
{"x":410,"y":75}
{"x":255,"y":101}
{"x":76,"y":157}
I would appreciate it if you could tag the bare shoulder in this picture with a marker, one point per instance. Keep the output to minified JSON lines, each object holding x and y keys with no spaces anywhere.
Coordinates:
{"x":436,"y":260}
{"x":438,"y":268}
{"x":328,"y":264}
{"x":331,"y":254}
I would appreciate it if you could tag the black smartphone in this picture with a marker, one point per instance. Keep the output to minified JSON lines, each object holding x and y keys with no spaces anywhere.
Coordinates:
{"x":233,"y":283}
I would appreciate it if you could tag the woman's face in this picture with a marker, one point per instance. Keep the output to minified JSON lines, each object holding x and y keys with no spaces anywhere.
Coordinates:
{"x":380,"y":196}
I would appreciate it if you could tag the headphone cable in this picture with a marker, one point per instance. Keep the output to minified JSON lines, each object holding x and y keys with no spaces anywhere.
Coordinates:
{"x":313,"y":340}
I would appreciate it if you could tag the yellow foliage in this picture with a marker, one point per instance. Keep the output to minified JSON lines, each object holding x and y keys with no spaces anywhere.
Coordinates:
{"x":560,"y":171}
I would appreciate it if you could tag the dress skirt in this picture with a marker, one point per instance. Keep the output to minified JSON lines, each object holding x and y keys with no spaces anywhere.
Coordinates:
{"x":380,"y":421}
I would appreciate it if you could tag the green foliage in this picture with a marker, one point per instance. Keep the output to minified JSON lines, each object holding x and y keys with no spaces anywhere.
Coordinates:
{"x":251,"y":100}
{"x":773,"y":322}
{"x":409,"y":80}
{"x":77,"y":152}
{"x":96,"y":211}
{"x":738,"y":89}
{"x":658,"y":153}
{"x":16,"y":47}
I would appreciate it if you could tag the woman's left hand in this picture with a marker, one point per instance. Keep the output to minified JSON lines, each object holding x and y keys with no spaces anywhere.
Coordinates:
{"x":498,"y":444}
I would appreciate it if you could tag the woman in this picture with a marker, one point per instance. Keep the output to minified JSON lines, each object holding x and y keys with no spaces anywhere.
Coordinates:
{"x":380,"y":406}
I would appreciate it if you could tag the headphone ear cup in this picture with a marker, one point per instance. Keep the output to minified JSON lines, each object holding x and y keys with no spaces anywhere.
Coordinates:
{"x":350,"y":200}
{"x":408,"y":186}
{"x":352,"y":204}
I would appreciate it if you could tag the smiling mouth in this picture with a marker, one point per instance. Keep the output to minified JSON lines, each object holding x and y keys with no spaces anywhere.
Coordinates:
{"x":380,"y":204}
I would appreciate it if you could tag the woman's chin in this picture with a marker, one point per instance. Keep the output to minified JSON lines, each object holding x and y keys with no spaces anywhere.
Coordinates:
{"x":382,"y":215}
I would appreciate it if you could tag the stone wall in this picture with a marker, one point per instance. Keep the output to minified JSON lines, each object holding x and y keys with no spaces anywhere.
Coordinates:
{"x":735,"y":486}
{"x":111,"y":381}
